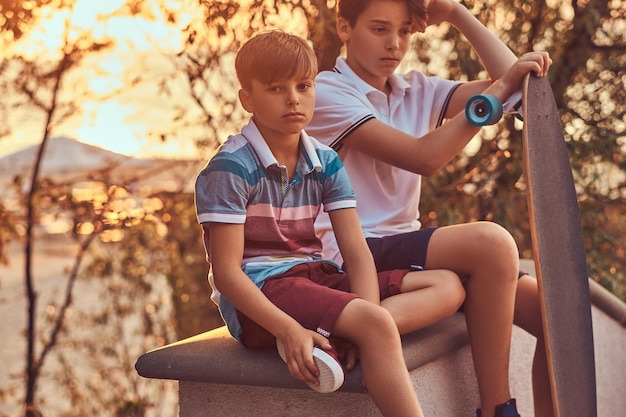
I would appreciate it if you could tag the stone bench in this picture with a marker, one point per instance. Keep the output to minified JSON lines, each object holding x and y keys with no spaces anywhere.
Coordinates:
{"x":215,"y":371}
{"x":219,"y":377}
{"x":215,"y":357}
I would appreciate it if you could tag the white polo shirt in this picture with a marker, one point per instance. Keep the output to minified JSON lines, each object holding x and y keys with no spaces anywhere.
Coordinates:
{"x":388,"y":197}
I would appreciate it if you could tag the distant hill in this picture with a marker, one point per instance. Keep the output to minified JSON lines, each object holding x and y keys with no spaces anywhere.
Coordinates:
{"x":68,"y":160}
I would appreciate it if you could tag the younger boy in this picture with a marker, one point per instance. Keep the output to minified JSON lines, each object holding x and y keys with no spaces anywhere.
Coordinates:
{"x":257,"y":201}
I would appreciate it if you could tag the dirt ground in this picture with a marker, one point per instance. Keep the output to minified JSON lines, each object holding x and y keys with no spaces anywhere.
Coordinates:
{"x":52,"y":259}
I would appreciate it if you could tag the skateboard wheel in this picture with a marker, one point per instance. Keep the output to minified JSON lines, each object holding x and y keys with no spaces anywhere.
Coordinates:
{"x":483,"y":109}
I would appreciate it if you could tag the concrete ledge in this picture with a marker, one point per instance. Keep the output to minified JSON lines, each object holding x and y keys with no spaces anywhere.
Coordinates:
{"x":607,"y":302}
{"x":600,"y":297}
{"x":217,"y":376}
{"x":445,"y":387}
{"x":215,"y":357}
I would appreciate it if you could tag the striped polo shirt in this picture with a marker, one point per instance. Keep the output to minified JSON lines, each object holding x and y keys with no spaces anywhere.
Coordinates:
{"x":244,"y":184}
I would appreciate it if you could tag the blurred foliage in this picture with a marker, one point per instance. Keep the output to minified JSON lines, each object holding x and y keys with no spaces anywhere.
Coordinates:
{"x":134,"y":304}
{"x":18,"y":16}
{"x":187,"y":267}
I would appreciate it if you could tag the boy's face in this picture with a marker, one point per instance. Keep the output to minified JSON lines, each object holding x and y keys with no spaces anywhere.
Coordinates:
{"x":281,"y":108}
{"x":378,"y":41}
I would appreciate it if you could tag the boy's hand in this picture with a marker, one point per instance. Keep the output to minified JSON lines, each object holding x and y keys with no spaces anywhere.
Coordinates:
{"x":536,"y":62}
{"x":298,"y":345}
{"x":542,"y":60}
{"x":437,"y":11}
{"x":511,"y":81}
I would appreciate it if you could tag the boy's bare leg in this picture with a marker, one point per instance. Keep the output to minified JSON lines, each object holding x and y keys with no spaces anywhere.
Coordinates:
{"x":486,"y":254}
{"x":438,"y":293}
{"x":380,"y":350}
{"x":528,"y":317}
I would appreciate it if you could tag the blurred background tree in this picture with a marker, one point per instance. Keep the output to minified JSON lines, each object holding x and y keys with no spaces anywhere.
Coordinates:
{"x":49,"y":86}
{"x":149,"y":264}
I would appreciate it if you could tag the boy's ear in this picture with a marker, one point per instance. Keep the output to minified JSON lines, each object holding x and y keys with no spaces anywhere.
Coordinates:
{"x":343,"y":29}
{"x":244,"y":98}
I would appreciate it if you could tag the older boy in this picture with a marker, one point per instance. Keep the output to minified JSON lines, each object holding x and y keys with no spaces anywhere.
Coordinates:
{"x":386,"y":129}
{"x":257,"y":200}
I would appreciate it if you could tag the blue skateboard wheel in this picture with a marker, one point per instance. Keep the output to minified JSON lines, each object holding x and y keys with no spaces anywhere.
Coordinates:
{"x":483,"y":109}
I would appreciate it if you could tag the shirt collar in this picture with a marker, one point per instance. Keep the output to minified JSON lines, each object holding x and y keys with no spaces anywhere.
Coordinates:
{"x":252,"y":134}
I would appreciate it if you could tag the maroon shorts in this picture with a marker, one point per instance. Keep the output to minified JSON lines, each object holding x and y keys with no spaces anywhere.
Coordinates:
{"x":313,"y":293}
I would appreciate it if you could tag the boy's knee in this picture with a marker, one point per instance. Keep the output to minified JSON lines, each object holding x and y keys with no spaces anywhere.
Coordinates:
{"x":496,"y":239}
{"x":452,"y":289}
{"x":361,"y":310}
{"x":379,"y":320}
{"x":492,"y":230}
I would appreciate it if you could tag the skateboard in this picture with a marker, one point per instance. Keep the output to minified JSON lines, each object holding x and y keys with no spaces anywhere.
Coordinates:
{"x":559,"y":254}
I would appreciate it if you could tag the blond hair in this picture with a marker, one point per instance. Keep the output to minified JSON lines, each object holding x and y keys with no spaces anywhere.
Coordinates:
{"x":273,"y":56}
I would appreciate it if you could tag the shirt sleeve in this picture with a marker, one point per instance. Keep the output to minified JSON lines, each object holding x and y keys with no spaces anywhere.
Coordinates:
{"x":337,"y":190}
{"x":221,"y":192}
{"x":433,"y":98}
{"x":340,"y":107}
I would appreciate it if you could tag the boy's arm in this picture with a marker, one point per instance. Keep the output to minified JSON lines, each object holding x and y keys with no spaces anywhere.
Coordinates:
{"x":495,"y":56}
{"x":435,"y":149}
{"x":226,"y":255}
{"x":358,"y":260}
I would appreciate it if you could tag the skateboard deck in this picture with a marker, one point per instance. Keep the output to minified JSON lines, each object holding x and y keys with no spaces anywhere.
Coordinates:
{"x":559,"y":254}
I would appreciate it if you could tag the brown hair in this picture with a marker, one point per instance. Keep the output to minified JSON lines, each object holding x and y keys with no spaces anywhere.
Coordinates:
{"x":272,"y":56}
{"x":352,"y":9}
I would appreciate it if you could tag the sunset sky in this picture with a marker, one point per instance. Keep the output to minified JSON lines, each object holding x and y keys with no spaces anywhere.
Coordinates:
{"x":144,"y":45}
{"x":140,"y":42}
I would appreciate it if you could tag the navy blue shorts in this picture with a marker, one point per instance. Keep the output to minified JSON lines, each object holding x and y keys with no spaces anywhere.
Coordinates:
{"x":404,"y":250}
{"x":401,"y":251}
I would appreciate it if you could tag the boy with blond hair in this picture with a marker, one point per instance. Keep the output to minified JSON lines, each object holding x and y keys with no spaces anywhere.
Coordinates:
{"x":257,"y":200}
